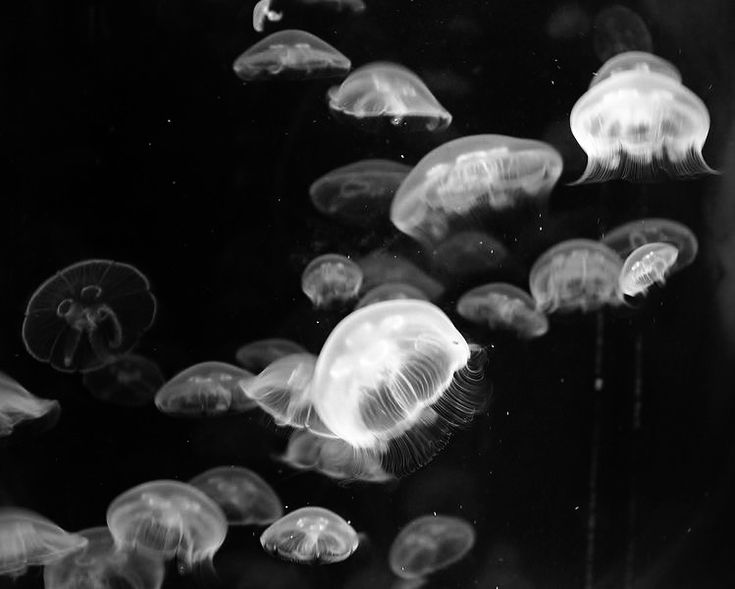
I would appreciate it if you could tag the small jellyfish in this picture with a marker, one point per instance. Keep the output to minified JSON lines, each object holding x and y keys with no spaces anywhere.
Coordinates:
{"x":391,"y":291}
{"x":311,"y":535}
{"x":129,"y":381}
{"x":101,"y":565}
{"x":382,"y":267}
{"x":167,"y":519}
{"x":382,"y":91}
{"x":503,"y":306}
{"x":638,"y":122}
{"x":290,"y":54}
{"x":28,"y":539}
{"x":207,"y":388}
{"x":255,"y":356}
{"x":17,"y":405}
{"x":471,"y":175}
{"x":359,"y":193}
{"x":349,"y":5}
{"x":88,"y":313}
{"x":428,"y":544}
{"x":646,"y":266}
{"x":617,"y":30}
{"x":331,"y":279}
{"x":262,"y":12}
{"x":576,"y":275}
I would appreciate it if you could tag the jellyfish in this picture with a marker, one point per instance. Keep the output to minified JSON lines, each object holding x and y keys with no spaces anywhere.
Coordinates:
{"x":245,"y":498}
{"x":101,"y":565}
{"x":262,"y":12}
{"x":28,"y":539}
{"x":87,"y":314}
{"x":331,"y":279}
{"x":359,"y":193}
{"x":290,"y":54}
{"x":349,"y":5}
{"x":576,"y":275}
{"x":647,"y":265}
{"x":468,"y":253}
{"x":382,"y":267}
{"x":428,"y":544}
{"x":503,"y":306}
{"x":391,"y":291}
{"x":638,"y":122}
{"x":17,"y":405}
{"x":207,"y":388}
{"x":311,"y":535}
{"x":257,"y":355}
{"x":469,"y":176}
{"x":129,"y":381}
{"x":381,"y":91}
{"x":168,"y":519}
{"x":617,"y":30}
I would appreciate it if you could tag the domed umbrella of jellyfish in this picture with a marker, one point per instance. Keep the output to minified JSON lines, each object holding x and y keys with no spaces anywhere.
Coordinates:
{"x":205,"y":389}
{"x":382,"y":92}
{"x":168,"y":519}
{"x":382,"y":267}
{"x":262,"y":12}
{"x":469,"y":176}
{"x":358,"y":193}
{"x":467,"y":254}
{"x":255,"y":356}
{"x":391,"y":291}
{"x":349,"y":5}
{"x":290,"y":54}
{"x":331,"y":279}
{"x":128,"y":381}
{"x":503,"y":306}
{"x":310,"y":535}
{"x":576,"y":275}
{"x":17,"y":405}
{"x":88,"y":313}
{"x":639,"y":122}
{"x":100,"y":564}
{"x":385,"y":381}
{"x":428,"y":544}
{"x":618,"y":29}
{"x":245,"y":498}
{"x":28,"y":539}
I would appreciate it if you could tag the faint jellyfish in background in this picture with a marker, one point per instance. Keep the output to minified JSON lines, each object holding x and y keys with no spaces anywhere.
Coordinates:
{"x":382,"y":267}
{"x":127,"y":381}
{"x":245,"y":498}
{"x":428,"y":544}
{"x":468,"y":253}
{"x":503,"y":306}
{"x":255,"y":356}
{"x":290,"y":54}
{"x":391,"y":291}
{"x":101,"y":565}
{"x":567,"y":22}
{"x":383,"y":92}
{"x":205,"y":389}
{"x":618,"y":29}
{"x":262,"y":12}
{"x":471,"y":177}
{"x":331,"y":279}
{"x":358,"y":193}
{"x":638,"y":122}
{"x":168,"y":519}
{"x":576,"y":275}
{"x":17,"y":405}
{"x":311,"y":535}
{"x":87,"y":314}
{"x":28,"y":539}
{"x":348,"y":5}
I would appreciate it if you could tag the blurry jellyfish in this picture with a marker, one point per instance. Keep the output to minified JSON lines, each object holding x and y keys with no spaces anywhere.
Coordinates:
{"x":468,"y":253}
{"x":262,"y":12}
{"x":166,"y":519}
{"x":638,"y":121}
{"x":576,"y":275}
{"x":360,"y":192}
{"x":28,"y":539}
{"x":207,"y":388}
{"x":351,"y":5}
{"x":618,"y":29}
{"x":88,"y":313}
{"x":382,"y":267}
{"x":101,"y":565}
{"x":391,"y":291}
{"x":428,"y":544}
{"x":256,"y":355}
{"x":311,"y":535}
{"x":647,"y":265}
{"x":290,"y":54}
{"x":331,"y":279}
{"x":470,"y":175}
{"x":383,"y":91}
{"x":567,"y":22}
{"x":503,"y":306}
{"x":128,"y":381}
{"x":17,"y":405}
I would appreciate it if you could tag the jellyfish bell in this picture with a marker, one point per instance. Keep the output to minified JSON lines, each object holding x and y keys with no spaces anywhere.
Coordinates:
{"x":468,"y":254}
{"x":391,"y":291}
{"x":646,"y":266}
{"x":256,"y":356}
{"x":18,"y":406}
{"x":383,"y":267}
{"x":129,"y":380}
{"x":331,"y":279}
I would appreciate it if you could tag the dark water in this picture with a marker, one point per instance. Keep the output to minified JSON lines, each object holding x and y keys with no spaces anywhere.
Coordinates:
{"x":125,"y":135}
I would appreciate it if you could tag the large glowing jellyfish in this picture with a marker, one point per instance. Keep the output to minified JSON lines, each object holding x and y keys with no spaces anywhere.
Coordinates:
{"x":168,"y":519}
{"x":576,"y":275}
{"x":290,"y":54}
{"x":255,"y":356}
{"x":18,"y":405}
{"x":311,"y":535}
{"x":331,"y":279}
{"x":381,"y":91}
{"x":129,"y":381}
{"x":391,"y":291}
{"x":262,"y":12}
{"x":473,"y":175}
{"x":100,"y":565}
{"x":245,"y":498}
{"x":88,"y":313}
{"x":638,"y":121}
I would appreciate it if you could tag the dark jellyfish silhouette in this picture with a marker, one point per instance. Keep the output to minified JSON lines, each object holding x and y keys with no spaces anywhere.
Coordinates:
{"x":383,"y":267}
{"x":17,"y":405}
{"x":391,"y":291}
{"x":618,"y":29}
{"x":468,"y":253}
{"x":331,"y":279}
{"x":347,"y":5}
{"x":129,"y":381}
{"x":567,"y":22}
{"x":87,"y":314}
{"x":257,"y":355}
{"x":262,"y":12}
